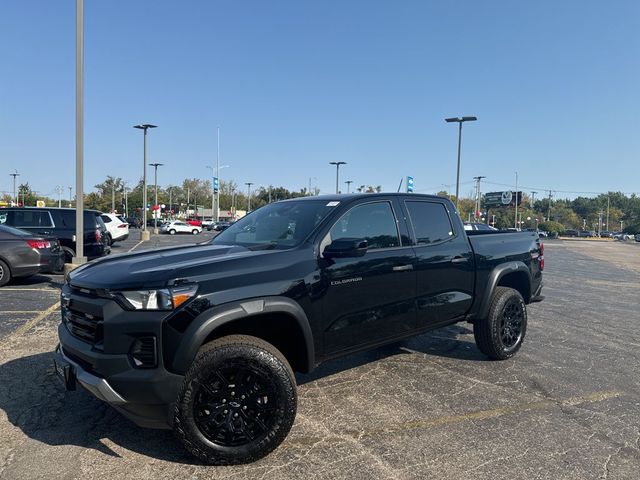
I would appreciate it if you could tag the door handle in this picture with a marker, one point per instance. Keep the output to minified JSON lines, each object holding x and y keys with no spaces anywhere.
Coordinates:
{"x":403,"y":268}
{"x":459,"y":259}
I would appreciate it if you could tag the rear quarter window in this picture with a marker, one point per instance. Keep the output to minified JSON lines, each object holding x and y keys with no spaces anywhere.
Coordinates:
{"x":431,"y":222}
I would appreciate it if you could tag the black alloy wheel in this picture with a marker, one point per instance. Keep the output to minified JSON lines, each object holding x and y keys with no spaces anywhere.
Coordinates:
{"x":237,"y":403}
{"x":511,"y":323}
{"x":500,"y":335}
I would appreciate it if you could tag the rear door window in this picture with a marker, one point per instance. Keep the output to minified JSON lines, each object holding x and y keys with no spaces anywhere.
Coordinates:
{"x":31,"y":218}
{"x":431,"y":222}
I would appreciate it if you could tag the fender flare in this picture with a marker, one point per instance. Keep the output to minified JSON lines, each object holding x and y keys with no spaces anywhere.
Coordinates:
{"x":494,"y":277}
{"x":209,"y":320}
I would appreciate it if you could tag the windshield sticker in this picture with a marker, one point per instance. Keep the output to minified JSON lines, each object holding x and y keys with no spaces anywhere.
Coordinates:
{"x":332,"y":204}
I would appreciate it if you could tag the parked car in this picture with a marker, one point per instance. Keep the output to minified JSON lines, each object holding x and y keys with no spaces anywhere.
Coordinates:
{"x":205,"y":338}
{"x":218,"y":226}
{"x":571,"y":233}
{"x":23,"y":254}
{"x":606,"y":234}
{"x":61,"y":224}
{"x":117,"y":230}
{"x":196,"y":222}
{"x":637,"y":237}
{"x":587,"y":234}
{"x":178,"y":226}
{"x":134,"y":222}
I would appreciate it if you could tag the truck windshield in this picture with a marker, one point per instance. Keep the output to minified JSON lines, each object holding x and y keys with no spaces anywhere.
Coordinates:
{"x":277,"y":225}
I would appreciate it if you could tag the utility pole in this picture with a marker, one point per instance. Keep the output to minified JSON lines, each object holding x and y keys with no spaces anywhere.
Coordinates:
{"x":126,"y":202}
{"x":533,"y":199}
{"x":477,"y":179}
{"x":549,"y":208}
{"x":188,"y":201}
{"x":269,"y":193}
{"x":113,"y":197}
{"x":14,"y":175}
{"x":607,"y":213}
{"x":70,"y":197}
{"x":170,"y":207}
{"x":79,"y":257}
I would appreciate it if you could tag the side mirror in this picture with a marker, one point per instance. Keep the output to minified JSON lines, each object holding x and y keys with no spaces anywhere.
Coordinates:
{"x":346,"y":248}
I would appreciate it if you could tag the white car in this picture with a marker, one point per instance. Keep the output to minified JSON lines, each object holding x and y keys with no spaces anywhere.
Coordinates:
{"x":177,"y":226}
{"x":117,"y":230}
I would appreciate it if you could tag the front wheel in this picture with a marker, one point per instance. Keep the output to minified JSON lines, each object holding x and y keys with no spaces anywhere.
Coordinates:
{"x":237,"y":403}
{"x":500,"y":335}
{"x":5,"y":273}
{"x":172,"y":232}
{"x":195,"y":232}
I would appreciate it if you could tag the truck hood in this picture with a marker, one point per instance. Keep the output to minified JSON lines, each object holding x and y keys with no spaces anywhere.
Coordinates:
{"x":156,"y":268}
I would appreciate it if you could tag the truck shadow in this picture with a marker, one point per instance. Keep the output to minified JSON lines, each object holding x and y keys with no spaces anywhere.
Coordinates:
{"x":35,"y":401}
{"x":444,"y":342}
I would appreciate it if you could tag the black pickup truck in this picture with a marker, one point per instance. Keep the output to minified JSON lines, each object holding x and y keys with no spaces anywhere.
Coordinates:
{"x":205,"y":339}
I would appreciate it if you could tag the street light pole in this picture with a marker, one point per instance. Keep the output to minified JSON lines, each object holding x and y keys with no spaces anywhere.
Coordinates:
{"x":349,"y":182}
{"x":79,"y":257}
{"x":144,"y":235}
{"x":337,"y":164}
{"x":14,"y":175}
{"x":216,"y":191}
{"x":248,"y":184}
{"x":516,"y":221}
{"x":460,"y":121}
{"x":155,"y":202}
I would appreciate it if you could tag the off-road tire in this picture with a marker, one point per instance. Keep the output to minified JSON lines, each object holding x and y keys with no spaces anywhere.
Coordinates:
{"x":500,"y":335}
{"x":205,"y":381}
{"x":5,"y":274}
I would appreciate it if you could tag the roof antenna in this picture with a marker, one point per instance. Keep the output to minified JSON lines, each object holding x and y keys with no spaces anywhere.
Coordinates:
{"x":400,"y":186}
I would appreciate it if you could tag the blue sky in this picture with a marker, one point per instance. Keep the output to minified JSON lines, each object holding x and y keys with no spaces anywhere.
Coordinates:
{"x":295,"y":85}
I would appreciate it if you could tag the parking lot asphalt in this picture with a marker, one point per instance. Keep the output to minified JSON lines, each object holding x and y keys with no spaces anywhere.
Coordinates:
{"x":566,"y":407}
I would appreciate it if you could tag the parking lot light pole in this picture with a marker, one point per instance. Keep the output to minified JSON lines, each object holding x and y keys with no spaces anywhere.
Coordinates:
{"x":349,"y":182}
{"x":460,"y":121}
{"x":155,"y":202}
{"x":14,"y":175}
{"x":144,"y":235}
{"x":79,"y":258}
{"x":337,"y":164}
{"x":248,"y":184}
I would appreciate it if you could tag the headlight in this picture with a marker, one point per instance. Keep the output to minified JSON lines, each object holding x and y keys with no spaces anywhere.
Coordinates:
{"x":159,"y":299}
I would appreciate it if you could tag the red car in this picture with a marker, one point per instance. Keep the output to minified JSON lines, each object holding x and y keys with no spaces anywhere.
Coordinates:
{"x":195,"y":222}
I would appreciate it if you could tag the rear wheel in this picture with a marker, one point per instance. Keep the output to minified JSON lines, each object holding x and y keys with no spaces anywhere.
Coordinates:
{"x":68,"y":254}
{"x":109,"y":239}
{"x":5,"y":273}
{"x":237,"y":403}
{"x":195,"y":232}
{"x":172,"y":232}
{"x":500,"y":335}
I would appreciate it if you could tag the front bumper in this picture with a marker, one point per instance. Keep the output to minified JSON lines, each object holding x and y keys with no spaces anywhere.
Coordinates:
{"x":105,"y":367}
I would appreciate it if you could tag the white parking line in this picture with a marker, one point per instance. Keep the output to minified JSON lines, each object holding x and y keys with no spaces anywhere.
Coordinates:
{"x":34,"y":321}
{"x":136,"y":245}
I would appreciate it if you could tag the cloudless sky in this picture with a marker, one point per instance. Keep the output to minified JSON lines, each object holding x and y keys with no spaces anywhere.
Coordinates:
{"x":295,"y":85}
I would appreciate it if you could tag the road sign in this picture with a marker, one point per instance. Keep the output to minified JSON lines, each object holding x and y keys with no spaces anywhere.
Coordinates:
{"x":409,"y":184}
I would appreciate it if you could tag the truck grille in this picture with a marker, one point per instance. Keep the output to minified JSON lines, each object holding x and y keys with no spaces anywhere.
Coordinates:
{"x":84,"y":326}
